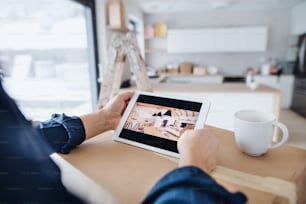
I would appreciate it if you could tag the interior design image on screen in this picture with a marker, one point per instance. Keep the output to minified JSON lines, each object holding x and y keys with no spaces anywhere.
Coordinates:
{"x":160,"y":121}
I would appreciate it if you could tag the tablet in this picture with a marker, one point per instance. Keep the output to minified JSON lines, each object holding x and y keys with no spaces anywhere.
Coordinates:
{"x":156,"y":121}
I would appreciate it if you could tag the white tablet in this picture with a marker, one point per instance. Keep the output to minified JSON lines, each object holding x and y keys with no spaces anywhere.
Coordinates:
{"x":155,"y":122}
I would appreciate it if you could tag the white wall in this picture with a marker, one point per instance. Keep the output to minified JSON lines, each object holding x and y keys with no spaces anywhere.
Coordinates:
{"x":298,"y":19}
{"x":278,"y":22}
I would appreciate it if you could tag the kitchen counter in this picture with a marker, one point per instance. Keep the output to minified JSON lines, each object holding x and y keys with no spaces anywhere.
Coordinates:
{"x":212,"y":88}
{"x":189,"y":78}
{"x":283,"y":83}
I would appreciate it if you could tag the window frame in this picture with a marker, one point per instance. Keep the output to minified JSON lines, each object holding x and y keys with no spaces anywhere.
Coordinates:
{"x":93,"y":51}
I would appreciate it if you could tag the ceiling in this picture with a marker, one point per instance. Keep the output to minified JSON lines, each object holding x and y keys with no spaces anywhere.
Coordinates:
{"x":161,"y":6}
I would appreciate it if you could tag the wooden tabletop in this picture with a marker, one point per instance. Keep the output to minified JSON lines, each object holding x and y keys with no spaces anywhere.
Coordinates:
{"x":130,"y":172}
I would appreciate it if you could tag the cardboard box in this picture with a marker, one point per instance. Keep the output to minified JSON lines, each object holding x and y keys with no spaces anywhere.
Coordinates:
{"x":115,"y":15}
{"x":186,"y":68}
{"x":199,"y":70}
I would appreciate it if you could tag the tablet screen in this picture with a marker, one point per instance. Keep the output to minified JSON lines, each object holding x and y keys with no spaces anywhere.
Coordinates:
{"x":159,"y":121}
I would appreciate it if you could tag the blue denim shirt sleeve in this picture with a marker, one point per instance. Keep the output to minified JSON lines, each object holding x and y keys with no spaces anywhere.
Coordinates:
{"x":62,"y":132}
{"x":191,"y":185}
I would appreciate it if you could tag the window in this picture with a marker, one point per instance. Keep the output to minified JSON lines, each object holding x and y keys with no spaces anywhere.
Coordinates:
{"x":48,"y":56}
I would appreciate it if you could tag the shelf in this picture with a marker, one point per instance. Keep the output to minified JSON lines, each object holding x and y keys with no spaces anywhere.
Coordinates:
{"x":156,"y":38}
{"x":118,"y":29}
{"x":155,"y":50}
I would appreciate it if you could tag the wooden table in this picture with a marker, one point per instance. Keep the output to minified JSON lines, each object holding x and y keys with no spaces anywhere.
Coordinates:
{"x":130,"y":172}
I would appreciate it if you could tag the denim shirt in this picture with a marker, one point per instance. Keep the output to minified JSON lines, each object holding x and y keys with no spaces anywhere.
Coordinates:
{"x":191,"y":185}
{"x":63,"y":133}
{"x":28,"y":175}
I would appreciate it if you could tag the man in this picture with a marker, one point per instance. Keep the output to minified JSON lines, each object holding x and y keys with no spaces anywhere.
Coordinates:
{"x":28,"y":175}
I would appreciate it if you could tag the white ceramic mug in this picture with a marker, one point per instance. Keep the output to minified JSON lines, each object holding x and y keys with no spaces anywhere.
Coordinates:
{"x":254,"y":130}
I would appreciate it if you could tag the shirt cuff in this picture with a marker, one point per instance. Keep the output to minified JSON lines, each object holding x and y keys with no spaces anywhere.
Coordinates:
{"x":74,"y":128}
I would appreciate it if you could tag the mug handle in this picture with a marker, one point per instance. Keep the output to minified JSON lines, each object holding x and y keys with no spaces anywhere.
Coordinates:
{"x":285,"y":134}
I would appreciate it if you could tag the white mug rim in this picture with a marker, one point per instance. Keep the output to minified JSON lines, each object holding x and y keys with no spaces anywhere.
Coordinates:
{"x":270,"y":116}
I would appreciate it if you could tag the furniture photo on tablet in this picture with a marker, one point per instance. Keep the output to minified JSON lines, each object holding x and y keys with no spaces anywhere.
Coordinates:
{"x":155,"y":121}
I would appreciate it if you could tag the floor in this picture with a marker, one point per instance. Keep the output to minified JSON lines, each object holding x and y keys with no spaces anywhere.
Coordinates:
{"x":297,"y":128}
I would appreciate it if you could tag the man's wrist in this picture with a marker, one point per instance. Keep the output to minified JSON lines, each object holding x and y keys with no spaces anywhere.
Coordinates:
{"x":188,"y":160}
{"x":95,"y":123}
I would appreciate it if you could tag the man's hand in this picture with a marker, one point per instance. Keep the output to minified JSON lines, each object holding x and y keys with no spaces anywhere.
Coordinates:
{"x":198,"y":148}
{"x":108,"y":117}
{"x":115,"y":107}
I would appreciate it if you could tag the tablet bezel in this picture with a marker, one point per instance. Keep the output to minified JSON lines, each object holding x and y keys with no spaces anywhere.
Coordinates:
{"x":200,"y":122}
